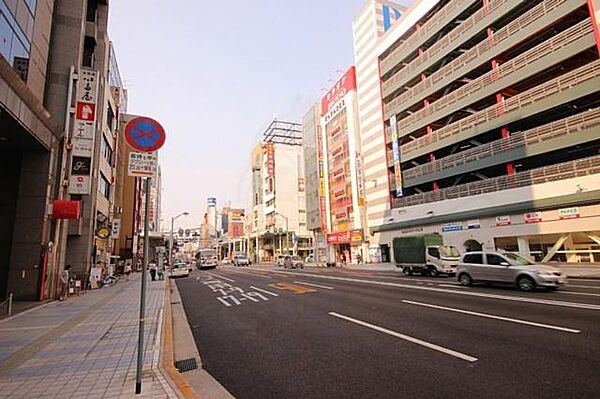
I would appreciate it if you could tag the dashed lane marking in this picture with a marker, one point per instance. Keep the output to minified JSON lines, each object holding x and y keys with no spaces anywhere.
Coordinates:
{"x":296,"y":289}
{"x":314,"y":285}
{"x":265,"y":291}
{"x":408,"y":338}
{"x":491,"y":316}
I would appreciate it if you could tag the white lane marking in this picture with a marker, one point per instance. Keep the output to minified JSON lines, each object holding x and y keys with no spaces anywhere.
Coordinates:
{"x":452,"y":285}
{"x":29,"y":328}
{"x":583,"y":286}
{"x":577,"y":293}
{"x":408,"y":338}
{"x":223,"y":301}
{"x":490,"y":316}
{"x":221,"y":277}
{"x":314,"y":285}
{"x":265,"y":291}
{"x":250,"y":273}
{"x":550,"y":302}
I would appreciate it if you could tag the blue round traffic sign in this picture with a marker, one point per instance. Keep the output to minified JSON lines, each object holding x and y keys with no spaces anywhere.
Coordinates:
{"x":144,"y":134}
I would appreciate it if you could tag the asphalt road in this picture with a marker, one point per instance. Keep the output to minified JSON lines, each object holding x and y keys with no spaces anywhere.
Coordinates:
{"x":328,"y":333}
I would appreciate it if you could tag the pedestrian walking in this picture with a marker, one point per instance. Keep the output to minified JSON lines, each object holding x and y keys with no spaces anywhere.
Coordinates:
{"x":127,"y":271}
{"x":161,"y":272}
{"x":343,"y":257}
{"x":64,"y":283}
{"x":153,"y":271}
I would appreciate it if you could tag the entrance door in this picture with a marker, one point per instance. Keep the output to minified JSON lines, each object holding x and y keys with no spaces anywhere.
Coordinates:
{"x":385,"y":253}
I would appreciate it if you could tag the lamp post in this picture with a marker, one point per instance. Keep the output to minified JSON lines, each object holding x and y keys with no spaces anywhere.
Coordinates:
{"x":171,"y":255}
{"x":287,"y":232}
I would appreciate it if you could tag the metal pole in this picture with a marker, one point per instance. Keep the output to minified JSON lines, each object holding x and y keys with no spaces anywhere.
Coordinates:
{"x":9,"y":310}
{"x":287,"y":236}
{"x":171,"y":244}
{"x":140,"y":354}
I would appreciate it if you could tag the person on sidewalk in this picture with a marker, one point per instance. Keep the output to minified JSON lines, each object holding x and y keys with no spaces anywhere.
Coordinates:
{"x":64,"y":283}
{"x":127,"y":271}
{"x":153,"y":271}
{"x":161,"y":272}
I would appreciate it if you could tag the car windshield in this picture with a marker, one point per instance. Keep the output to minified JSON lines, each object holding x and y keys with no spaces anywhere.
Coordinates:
{"x":517,"y":259}
{"x":449,"y":251}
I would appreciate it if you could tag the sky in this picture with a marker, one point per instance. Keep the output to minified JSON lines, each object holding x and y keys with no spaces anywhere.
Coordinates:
{"x":215,"y":73}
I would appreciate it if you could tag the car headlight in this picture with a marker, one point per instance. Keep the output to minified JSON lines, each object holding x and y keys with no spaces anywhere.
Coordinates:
{"x":545,"y":274}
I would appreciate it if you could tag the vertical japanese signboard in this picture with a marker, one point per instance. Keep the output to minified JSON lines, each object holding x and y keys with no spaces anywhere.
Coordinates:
{"x":396,"y":156}
{"x":594,"y":7}
{"x":322,"y":204}
{"x":270,"y":163}
{"x":84,"y":129}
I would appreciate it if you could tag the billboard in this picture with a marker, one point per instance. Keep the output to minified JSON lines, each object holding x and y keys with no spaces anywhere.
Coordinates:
{"x":396,"y":156}
{"x":346,"y":83}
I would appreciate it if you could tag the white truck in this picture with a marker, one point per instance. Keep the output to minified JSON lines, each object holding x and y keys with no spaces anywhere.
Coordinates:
{"x":425,"y":254}
{"x":206,"y":259}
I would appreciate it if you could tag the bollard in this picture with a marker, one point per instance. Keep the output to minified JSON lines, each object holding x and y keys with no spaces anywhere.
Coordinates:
{"x":9,"y":309}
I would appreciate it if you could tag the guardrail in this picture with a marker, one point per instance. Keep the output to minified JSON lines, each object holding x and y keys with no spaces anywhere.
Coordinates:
{"x":544,"y":90}
{"x":461,"y":63}
{"x":567,"y":126}
{"x":561,"y":171}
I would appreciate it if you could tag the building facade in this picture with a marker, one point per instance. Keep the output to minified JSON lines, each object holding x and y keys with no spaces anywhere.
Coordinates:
{"x":492,"y":118}
{"x":371,"y":23}
{"x":30,"y":148}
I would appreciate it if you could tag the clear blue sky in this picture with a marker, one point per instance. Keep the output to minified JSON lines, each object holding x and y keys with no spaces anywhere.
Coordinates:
{"x":214,"y":73}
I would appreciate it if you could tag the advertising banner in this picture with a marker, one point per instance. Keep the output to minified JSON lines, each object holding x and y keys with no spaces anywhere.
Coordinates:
{"x":115,"y":228}
{"x":568,"y":213}
{"x":360,"y":183}
{"x":473,"y":224}
{"x":84,"y":128}
{"x":346,"y":83}
{"x":446,"y":227}
{"x":396,"y":156}
{"x":503,"y":220}
{"x":533,"y":217}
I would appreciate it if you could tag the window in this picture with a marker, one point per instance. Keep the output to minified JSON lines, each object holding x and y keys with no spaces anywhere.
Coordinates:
{"x":110,"y":118}
{"x":106,"y":151}
{"x":104,"y":186}
{"x":92,"y":8}
{"x":433,"y":252}
{"x":89,"y":45}
{"x":14,"y":46}
{"x":473,"y":258}
{"x":493,"y":259}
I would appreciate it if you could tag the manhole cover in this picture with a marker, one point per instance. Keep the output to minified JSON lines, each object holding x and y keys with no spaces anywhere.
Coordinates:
{"x":186,"y":365}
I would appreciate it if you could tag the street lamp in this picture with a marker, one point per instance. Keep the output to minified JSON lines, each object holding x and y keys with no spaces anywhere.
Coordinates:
{"x":171,"y":255}
{"x":287,"y":235}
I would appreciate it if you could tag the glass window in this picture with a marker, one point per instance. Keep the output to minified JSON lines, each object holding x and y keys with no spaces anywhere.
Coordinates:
{"x":106,"y":151}
{"x":6,"y":38}
{"x":493,"y":259}
{"x":434,"y":252}
{"x":517,"y":259}
{"x":473,"y":258}
{"x":449,"y":251}
{"x":104,"y":186}
{"x":31,"y":5}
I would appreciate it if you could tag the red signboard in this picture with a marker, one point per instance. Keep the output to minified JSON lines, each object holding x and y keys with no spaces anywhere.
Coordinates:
{"x":594,"y":7}
{"x":344,"y":85}
{"x":63,"y":209}
{"x":340,"y":237}
{"x":270,"y":151}
{"x":533,"y":217}
{"x":85,"y":111}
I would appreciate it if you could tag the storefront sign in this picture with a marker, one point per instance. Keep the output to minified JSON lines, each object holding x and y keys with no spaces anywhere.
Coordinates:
{"x":270,"y":161}
{"x":64,"y":209}
{"x":533,"y":217}
{"x":446,"y":227}
{"x":503,"y":221}
{"x":568,"y":213}
{"x":84,"y":130}
{"x":360,"y":184}
{"x":473,"y":224}
{"x":340,"y":237}
{"x":346,"y":83}
{"x":396,"y":156}
{"x":115,"y":228}
{"x":356,"y":236}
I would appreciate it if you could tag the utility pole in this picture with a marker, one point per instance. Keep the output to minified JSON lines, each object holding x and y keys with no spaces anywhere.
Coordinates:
{"x":140,"y":352}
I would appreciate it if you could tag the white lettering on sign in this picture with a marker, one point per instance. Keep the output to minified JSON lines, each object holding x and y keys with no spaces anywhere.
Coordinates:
{"x":230,"y":295}
{"x":142,"y":164}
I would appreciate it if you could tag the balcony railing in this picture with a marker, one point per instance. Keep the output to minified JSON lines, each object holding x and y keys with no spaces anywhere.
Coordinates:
{"x":562,"y":171}
{"x":429,"y":28}
{"x":447,"y":43}
{"x":560,"y":84}
{"x":568,"y":126}
{"x":462,"y":63}
{"x":511,"y":67}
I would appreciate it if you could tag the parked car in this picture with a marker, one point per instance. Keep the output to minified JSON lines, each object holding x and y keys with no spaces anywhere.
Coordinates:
{"x":507,"y":268}
{"x":280,"y":259}
{"x":241,"y":260}
{"x":293,"y":262}
{"x":179,"y":270}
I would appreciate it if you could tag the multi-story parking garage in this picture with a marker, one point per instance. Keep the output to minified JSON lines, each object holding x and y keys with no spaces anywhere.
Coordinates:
{"x":492,"y":118}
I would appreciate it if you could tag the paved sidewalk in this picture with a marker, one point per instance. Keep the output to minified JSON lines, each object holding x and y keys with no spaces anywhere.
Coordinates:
{"x":84,"y":347}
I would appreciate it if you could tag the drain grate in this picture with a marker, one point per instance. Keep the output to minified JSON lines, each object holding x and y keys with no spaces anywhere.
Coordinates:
{"x":186,"y":365}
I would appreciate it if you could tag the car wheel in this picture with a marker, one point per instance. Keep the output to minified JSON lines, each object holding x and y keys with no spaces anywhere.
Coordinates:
{"x":433,"y":271}
{"x":525,"y":283}
{"x":465,"y":279}
{"x":407,"y":271}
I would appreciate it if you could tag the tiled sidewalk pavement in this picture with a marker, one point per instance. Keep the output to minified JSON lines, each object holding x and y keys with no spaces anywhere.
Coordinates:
{"x":85,"y":347}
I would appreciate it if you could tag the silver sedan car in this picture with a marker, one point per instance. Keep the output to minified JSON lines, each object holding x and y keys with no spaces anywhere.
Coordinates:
{"x":507,"y":268}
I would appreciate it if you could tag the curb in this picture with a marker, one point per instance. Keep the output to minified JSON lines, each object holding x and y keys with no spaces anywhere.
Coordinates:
{"x":35,"y":307}
{"x":167,"y":363}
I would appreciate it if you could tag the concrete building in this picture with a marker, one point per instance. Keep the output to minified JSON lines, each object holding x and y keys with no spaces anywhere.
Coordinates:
{"x":492,"y":117}
{"x":30,"y":146}
{"x":278,"y":219}
{"x":232,"y":239}
{"x":371,"y":23}
{"x":316,"y":218}
{"x":339,"y":138}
